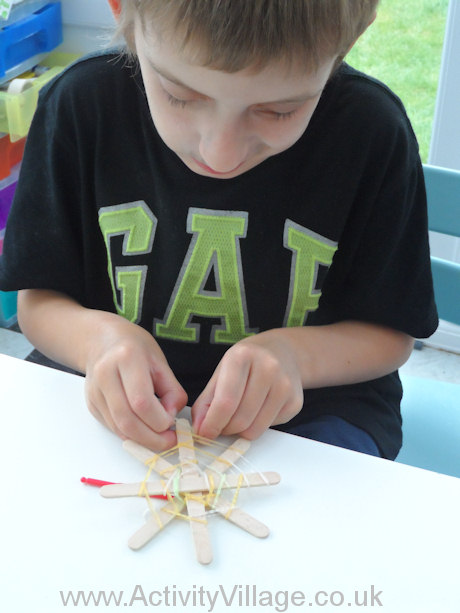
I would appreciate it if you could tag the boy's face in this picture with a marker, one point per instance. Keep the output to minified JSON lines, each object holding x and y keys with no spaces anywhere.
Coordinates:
{"x":223,"y":124}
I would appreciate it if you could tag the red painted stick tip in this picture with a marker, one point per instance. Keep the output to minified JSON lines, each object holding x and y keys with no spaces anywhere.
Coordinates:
{"x":100,"y":483}
{"x":96,"y":482}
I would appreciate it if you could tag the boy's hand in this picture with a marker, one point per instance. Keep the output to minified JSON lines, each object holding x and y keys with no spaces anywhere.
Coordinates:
{"x":257,"y":384}
{"x":130,"y":386}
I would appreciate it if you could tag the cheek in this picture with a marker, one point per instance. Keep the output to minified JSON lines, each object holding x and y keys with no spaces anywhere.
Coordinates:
{"x":171,"y":123}
{"x":280,"y":134}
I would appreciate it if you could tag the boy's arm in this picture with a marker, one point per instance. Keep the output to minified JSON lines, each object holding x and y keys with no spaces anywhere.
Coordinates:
{"x":129,"y":385}
{"x":260,"y":380}
{"x":346,"y":352}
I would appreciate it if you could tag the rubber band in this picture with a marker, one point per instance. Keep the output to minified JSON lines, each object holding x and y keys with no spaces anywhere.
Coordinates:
{"x":143,"y":492}
{"x":209,"y":497}
{"x":142,"y":489}
{"x":213,"y":455}
{"x":210,"y":442}
{"x":235,"y":497}
{"x":221,"y":484}
{"x":150,"y":462}
{"x":173,"y":473}
{"x":209,"y":479}
{"x":154,"y":512}
{"x":186,"y":517}
{"x":254,"y":468}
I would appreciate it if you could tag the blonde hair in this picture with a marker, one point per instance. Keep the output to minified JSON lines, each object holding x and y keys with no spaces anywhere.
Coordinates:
{"x":231,"y":35}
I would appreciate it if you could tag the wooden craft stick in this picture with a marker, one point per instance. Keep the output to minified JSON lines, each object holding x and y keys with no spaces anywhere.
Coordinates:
{"x":155,"y":524}
{"x":196,"y":509}
{"x":242,"y":519}
{"x":230,"y":456}
{"x":160,"y":465}
{"x":221,"y":505}
{"x":192,"y":483}
{"x":163,"y":516}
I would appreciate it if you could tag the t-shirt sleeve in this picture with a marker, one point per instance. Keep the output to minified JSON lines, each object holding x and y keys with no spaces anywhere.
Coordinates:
{"x":381,"y":271}
{"x":42,"y":247}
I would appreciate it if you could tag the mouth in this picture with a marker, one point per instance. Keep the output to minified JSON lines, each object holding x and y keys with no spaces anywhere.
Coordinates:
{"x":216,"y":172}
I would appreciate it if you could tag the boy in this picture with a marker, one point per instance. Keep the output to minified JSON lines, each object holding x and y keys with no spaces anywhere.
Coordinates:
{"x":234,"y":218}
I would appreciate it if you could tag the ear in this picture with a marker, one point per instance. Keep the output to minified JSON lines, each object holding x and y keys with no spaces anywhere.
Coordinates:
{"x":115,"y":6}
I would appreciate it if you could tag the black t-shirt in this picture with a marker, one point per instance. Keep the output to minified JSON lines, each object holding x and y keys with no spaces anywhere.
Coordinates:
{"x":332,"y":229}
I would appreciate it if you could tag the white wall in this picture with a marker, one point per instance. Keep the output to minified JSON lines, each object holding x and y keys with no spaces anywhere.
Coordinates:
{"x":87,"y":24}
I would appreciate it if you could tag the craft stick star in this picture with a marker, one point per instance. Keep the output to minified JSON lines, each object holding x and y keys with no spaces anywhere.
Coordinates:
{"x":187,"y":485}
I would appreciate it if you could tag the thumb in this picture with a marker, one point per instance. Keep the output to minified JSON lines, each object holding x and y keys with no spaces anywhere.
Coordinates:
{"x":201,"y":405}
{"x":170,"y":392}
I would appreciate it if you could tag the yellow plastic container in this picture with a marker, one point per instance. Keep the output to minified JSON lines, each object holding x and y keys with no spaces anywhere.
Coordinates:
{"x":17,"y":109}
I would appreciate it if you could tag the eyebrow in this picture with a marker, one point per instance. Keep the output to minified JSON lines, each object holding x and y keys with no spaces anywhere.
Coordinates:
{"x":166,"y":75}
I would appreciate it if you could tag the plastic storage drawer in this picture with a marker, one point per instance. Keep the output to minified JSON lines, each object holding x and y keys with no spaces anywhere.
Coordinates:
{"x":17,"y":110}
{"x":7,"y":189}
{"x":8,"y":300}
{"x":10,"y":155}
{"x":40,"y":32}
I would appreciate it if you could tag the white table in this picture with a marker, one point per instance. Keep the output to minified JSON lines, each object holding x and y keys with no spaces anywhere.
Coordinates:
{"x":340,"y":521}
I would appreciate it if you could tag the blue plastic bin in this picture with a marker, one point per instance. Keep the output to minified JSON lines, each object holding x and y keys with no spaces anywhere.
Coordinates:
{"x":38,"y":33}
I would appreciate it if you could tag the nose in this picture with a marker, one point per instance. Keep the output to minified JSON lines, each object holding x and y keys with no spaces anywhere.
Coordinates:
{"x":224,"y":145}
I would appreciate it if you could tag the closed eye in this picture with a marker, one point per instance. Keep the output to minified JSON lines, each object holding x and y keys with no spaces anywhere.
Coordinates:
{"x":175,"y":101}
{"x":277,"y":115}
{"x":286,"y":115}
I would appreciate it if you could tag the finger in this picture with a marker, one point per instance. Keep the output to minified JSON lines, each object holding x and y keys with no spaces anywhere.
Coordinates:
{"x":253,"y":403}
{"x":264,"y":418}
{"x":155,"y":442}
{"x":129,"y":426}
{"x":293,"y":404}
{"x":97,"y":406}
{"x":125,"y":421}
{"x":201,"y":405}
{"x":229,"y":387}
{"x":139,"y":391}
{"x":260,"y":408}
{"x":288,"y":412}
{"x":170,"y":392}
{"x":99,"y":415}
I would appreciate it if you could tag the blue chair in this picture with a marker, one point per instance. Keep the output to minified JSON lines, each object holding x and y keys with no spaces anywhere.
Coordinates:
{"x":430,"y":408}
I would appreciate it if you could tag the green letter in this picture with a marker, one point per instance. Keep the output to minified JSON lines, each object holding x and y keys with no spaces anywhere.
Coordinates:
{"x":213,"y":248}
{"x":309,"y":250}
{"x":137,"y":224}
